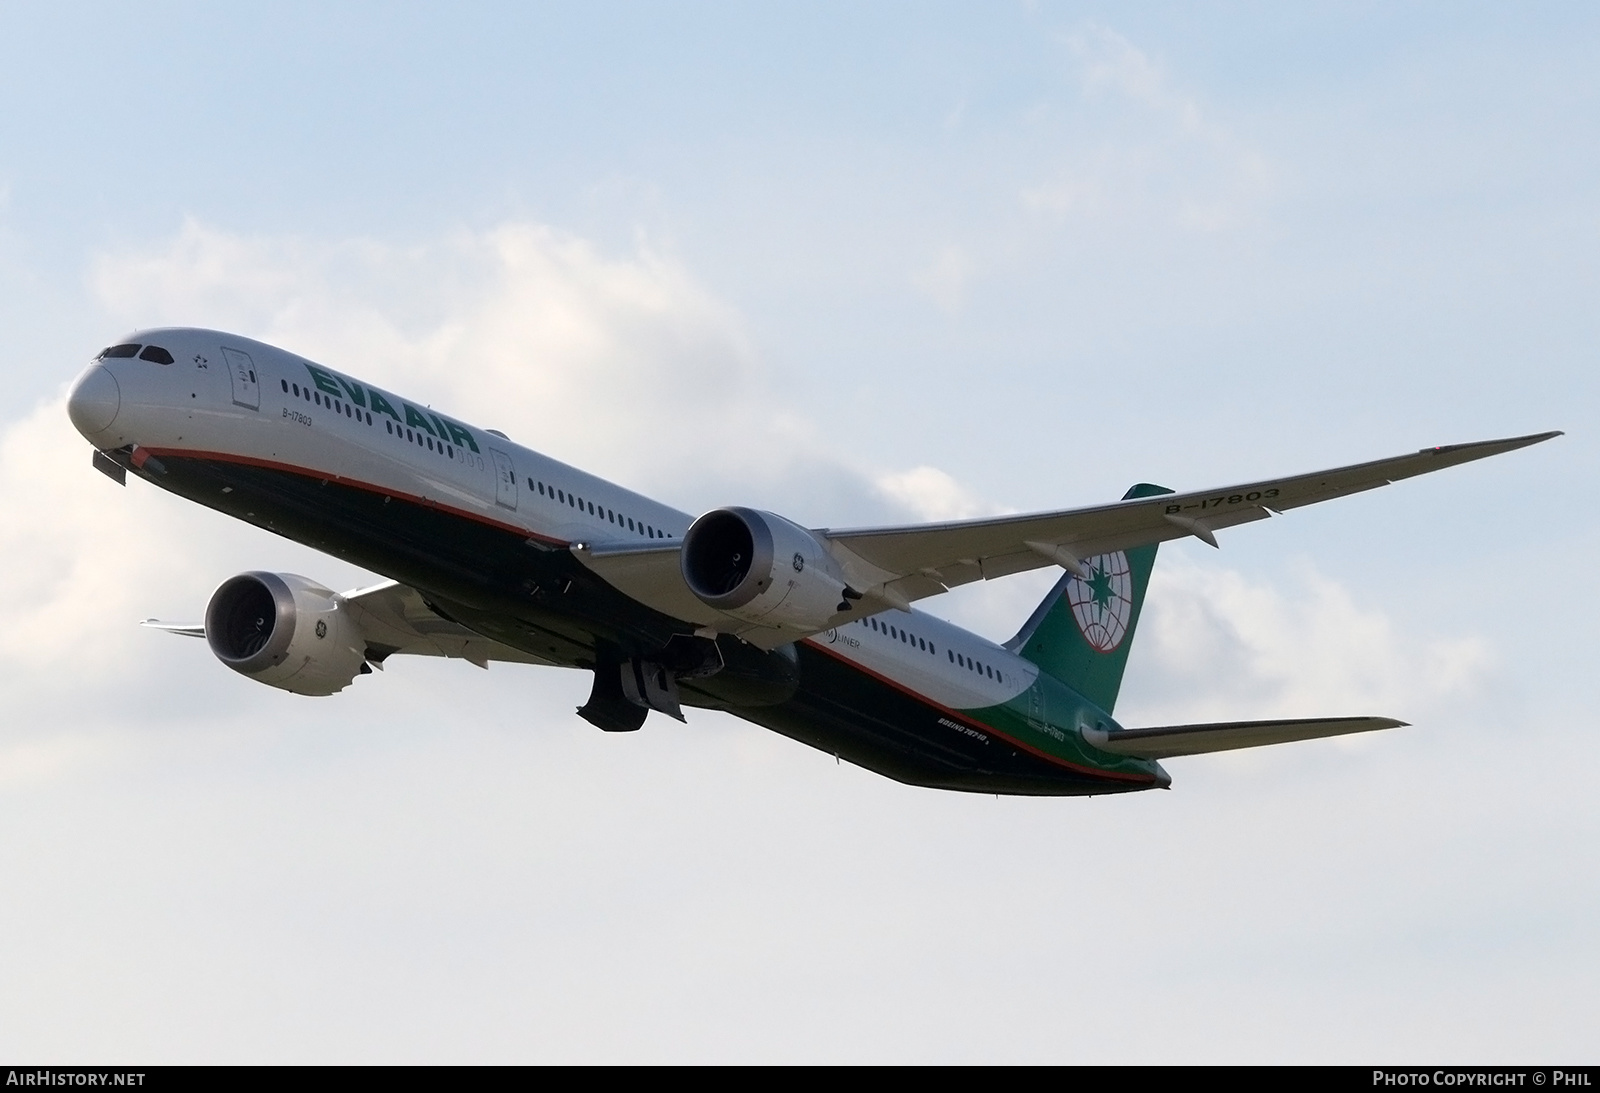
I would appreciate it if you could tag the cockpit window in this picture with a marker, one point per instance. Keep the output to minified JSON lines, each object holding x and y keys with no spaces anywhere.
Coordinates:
{"x":155,"y":353}
{"x":118,"y":351}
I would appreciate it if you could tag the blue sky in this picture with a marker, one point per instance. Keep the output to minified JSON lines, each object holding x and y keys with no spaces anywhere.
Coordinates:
{"x":854,"y":265}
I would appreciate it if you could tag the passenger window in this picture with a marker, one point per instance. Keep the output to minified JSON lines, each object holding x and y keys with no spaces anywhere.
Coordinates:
{"x":285,"y":386}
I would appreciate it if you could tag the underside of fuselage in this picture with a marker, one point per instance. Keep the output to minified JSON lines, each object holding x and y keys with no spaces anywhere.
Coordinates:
{"x":534,"y":596}
{"x":852,"y":714}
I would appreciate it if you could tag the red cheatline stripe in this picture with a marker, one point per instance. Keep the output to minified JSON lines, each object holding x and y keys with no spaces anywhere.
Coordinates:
{"x":957,"y":715}
{"x":385,"y":491}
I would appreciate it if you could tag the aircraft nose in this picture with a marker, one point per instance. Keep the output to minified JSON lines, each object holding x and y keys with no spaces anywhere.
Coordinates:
{"x":94,"y":401}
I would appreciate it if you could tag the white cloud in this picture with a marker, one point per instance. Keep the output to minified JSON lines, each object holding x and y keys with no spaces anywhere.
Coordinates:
{"x":76,"y":551}
{"x":1161,"y":154}
{"x":931,"y":494}
{"x":1216,"y":645}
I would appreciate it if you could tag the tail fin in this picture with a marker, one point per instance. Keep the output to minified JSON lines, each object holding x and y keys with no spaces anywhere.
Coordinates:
{"x":1082,"y":631}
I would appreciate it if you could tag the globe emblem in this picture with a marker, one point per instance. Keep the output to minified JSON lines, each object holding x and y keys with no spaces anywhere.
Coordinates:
{"x":1103,"y":604}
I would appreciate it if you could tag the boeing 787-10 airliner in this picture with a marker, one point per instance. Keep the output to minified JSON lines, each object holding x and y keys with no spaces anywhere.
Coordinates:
{"x":495,"y":552}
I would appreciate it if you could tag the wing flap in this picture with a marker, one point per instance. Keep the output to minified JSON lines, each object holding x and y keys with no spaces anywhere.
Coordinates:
{"x":1167,"y":741}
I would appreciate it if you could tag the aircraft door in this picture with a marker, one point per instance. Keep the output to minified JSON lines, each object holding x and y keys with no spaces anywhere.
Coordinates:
{"x":246,"y":391}
{"x":1036,"y":716}
{"x":505,"y":480}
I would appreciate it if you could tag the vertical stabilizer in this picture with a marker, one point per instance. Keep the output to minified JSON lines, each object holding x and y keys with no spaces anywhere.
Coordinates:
{"x":1080,"y":634}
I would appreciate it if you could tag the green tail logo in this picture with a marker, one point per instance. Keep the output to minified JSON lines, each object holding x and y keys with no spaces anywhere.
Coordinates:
{"x":1082,"y":631}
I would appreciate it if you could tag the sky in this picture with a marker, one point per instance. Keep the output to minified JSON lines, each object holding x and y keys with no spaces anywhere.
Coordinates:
{"x":855,"y":264}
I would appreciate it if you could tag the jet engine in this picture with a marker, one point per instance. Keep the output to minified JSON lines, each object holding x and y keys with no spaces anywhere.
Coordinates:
{"x":762,"y":568}
{"x":285,"y":631}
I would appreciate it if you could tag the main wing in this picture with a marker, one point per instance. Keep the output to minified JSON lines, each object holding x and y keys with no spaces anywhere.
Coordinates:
{"x":901,"y":564}
{"x":893,"y":566}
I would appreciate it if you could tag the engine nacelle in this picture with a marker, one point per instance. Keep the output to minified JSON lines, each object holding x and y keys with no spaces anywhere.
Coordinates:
{"x":762,"y":568}
{"x":285,"y":631}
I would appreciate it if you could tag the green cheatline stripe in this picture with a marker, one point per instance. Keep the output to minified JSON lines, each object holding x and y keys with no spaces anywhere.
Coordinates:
{"x":1053,"y":728}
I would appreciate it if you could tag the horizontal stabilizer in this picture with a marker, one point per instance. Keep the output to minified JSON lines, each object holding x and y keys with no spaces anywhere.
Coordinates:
{"x":1166,"y":741}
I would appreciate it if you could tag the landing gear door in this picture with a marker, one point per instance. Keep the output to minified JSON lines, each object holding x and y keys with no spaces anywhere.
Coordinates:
{"x":505,"y":480}
{"x":246,"y":391}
